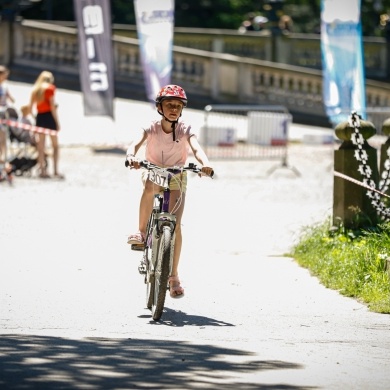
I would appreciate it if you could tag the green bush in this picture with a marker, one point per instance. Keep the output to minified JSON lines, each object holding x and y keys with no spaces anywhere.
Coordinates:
{"x":352,"y":262}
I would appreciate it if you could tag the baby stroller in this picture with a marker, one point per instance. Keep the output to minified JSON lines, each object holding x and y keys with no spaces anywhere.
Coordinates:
{"x":23,"y":146}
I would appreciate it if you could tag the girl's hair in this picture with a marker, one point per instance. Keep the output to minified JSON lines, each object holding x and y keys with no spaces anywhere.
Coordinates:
{"x":40,"y":84}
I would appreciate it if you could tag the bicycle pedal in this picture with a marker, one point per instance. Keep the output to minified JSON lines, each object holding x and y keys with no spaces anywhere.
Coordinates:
{"x":142,"y":268}
{"x":137,"y":247}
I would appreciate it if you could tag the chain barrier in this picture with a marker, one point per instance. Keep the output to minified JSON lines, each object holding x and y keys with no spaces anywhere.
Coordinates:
{"x":375,"y":194}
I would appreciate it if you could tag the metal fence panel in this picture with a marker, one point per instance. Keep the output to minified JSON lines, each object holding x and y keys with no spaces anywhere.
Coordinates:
{"x":246,"y":132}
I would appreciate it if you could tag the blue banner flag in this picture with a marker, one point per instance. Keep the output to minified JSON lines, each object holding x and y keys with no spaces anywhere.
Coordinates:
{"x":342,"y":59}
{"x":155,"y":21}
{"x":96,"y":58}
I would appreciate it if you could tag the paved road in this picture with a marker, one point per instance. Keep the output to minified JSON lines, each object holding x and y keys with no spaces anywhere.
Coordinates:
{"x":72,"y":310}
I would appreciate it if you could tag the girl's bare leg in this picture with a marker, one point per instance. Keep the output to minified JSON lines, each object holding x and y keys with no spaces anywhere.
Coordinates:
{"x":146,"y":205}
{"x":56,"y":152}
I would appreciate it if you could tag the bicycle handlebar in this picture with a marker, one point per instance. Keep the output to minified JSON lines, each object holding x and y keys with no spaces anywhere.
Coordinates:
{"x":148,"y":165}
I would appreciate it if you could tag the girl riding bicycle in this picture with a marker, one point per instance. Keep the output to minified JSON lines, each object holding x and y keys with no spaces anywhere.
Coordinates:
{"x":167,"y":144}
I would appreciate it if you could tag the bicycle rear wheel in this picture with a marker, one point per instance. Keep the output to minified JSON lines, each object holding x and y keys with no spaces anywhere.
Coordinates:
{"x":161,"y":273}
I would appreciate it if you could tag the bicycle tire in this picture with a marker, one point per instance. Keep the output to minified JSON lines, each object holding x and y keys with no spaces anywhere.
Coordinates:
{"x":150,"y":292}
{"x":149,"y":277}
{"x":162,"y":272}
{"x":149,"y":280}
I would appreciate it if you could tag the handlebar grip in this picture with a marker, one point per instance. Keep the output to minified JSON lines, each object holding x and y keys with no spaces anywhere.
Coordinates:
{"x":143,"y":164}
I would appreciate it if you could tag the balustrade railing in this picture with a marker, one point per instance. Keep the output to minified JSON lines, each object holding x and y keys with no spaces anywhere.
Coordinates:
{"x":209,"y":76}
{"x":292,"y":49}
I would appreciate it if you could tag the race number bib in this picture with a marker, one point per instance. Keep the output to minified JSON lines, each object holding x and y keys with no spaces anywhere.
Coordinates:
{"x":159,"y":177}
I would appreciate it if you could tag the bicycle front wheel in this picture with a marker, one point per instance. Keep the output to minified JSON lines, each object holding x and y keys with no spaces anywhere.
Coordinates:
{"x":149,"y":280}
{"x":148,"y":258}
{"x":162,"y":272}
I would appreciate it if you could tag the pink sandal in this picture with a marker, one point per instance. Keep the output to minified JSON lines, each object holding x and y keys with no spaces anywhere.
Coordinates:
{"x":136,"y":239}
{"x":175,"y":290}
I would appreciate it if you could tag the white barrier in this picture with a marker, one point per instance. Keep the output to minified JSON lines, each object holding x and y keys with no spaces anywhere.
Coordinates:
{"x":218,"y":136}
{"x":234,"y":132}
{"x":268,"y":128}
{"x":221,"y":129}
{"x":250,"y":131}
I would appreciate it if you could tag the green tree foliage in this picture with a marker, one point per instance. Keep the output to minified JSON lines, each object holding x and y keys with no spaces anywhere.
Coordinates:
{"x":223,"y":14}
{"x":220,"y":14}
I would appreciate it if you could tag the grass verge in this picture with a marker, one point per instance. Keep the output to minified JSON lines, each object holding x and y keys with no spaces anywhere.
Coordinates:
{"x":353,"y":262}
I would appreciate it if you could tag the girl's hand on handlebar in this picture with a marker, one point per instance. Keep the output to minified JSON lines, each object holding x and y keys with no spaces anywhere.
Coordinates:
{"x":133,"y":162}
{"x":207,"y":171}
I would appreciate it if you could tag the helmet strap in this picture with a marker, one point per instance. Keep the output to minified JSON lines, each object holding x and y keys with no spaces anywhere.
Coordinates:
{"x":173,"y":127}
{"x":173,"y":124}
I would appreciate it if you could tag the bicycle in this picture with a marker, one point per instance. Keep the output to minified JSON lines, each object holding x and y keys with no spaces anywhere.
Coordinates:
{"x":156,"y":263}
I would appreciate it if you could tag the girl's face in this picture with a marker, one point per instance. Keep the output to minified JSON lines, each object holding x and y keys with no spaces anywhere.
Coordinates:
{"x":172,"y":108}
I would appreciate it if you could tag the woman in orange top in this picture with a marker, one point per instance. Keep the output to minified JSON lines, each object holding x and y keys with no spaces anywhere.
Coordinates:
{"x":42,"y":96}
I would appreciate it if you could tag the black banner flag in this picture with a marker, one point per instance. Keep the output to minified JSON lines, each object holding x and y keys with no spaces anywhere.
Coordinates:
{"x":96,"y":58}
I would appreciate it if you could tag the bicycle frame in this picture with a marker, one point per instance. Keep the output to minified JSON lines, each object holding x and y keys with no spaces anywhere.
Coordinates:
{"x":159,"y":218}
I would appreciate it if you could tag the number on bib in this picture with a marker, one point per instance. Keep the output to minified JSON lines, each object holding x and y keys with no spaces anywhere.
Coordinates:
{"x":159,"y":177}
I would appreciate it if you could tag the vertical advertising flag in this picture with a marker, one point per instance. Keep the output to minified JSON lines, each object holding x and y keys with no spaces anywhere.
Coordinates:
{"x":155,"y":21}
{"x":95,"y":53}
{"x":342,"y":59}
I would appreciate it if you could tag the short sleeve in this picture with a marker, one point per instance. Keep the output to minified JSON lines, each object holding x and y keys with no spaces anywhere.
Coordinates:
{"x":49,"y":92}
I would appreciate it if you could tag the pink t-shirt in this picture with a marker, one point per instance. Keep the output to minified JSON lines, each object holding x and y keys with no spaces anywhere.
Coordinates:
{"x":162,"y":150}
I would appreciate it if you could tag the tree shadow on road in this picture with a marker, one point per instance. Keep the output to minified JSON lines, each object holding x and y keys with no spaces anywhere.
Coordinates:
{"x":42,"y":362}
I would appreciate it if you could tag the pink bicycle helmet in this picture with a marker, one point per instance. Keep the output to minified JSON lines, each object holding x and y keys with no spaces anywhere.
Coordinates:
{"x":171,"y":92}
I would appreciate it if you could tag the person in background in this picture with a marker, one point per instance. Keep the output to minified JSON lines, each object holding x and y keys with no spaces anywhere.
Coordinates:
{"x":286,"y":24}
{"x":5,"y":95}
{"x":253,"y":23}
{"x":30,"y":136}
{"x":5,"y":99}
{"x":26,"y":117}
{"x":249,"y":24}
{"x":43,"y":100}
